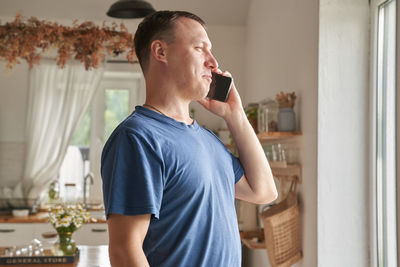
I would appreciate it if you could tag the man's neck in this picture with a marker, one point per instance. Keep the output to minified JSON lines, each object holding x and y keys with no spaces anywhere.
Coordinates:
{"x":162,"y":93}
{"x":169,"y":105}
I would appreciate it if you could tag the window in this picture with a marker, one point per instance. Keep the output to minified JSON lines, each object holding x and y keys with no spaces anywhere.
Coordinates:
{"x":118,"y":93}
{"x":116,"y":109}
{"x":385,"y":133}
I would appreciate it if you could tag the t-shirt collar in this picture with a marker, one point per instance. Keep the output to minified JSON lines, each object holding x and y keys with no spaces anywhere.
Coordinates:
{"x":161,"y":117}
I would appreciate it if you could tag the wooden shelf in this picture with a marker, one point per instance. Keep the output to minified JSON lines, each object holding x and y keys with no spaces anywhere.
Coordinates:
{"x":290,"y":170}
{"x":253,"y":239}
{"x":270,"y":136}
{"x":251,"y":244}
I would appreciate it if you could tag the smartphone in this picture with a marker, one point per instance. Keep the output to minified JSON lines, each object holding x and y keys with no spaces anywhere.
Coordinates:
{"x":220,"y":87}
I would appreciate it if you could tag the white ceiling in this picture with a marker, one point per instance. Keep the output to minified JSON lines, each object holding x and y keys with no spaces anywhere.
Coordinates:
{"x":213,"y":12}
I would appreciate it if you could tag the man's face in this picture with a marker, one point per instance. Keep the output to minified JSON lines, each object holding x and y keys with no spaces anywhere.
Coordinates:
{"x":190,"y":59}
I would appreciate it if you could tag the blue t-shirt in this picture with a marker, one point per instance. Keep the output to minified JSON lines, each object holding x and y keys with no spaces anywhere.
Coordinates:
{"x":185,"y":177}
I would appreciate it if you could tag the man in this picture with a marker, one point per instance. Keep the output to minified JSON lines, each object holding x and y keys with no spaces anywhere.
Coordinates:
{"x":169,"y":185}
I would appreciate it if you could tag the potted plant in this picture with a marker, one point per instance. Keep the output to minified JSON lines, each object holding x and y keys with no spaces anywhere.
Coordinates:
{"x":251,"y":113}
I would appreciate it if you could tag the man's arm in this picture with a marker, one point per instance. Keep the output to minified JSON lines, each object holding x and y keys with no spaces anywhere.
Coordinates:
{"x":257,"y":185}
{"x":126,"y":235}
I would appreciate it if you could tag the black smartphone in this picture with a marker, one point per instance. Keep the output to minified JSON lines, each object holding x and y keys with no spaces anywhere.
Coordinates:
{"x":220,"y":87}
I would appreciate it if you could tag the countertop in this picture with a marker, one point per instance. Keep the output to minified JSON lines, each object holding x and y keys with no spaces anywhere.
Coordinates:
{"x":39,"y":217}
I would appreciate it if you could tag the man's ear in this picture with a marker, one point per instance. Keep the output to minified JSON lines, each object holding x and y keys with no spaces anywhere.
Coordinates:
{"x":158,"y":50}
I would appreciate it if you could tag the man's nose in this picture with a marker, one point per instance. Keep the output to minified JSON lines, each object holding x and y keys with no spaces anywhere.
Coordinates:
{"x":211,"y":62}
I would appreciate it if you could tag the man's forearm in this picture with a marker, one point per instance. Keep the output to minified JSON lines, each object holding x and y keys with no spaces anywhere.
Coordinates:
{"x":252,"y":156}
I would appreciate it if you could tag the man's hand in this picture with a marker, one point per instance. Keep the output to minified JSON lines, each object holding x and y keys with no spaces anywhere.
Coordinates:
{"x":224,"y":109}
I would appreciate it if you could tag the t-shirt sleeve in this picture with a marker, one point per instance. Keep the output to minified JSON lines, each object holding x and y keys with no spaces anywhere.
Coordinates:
{"x":132,"y":173}
{"x":237,"y":168}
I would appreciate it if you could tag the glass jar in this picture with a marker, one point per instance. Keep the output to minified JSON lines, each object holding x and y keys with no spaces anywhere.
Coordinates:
{"x":54,"y":191}
{"x":292,"y":152}
{"x":70,"y":193}
{"x":267,"y":116}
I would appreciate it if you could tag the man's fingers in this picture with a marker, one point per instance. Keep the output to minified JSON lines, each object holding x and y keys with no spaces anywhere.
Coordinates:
{"x":227,"y":73}
{"x":217,"y":71}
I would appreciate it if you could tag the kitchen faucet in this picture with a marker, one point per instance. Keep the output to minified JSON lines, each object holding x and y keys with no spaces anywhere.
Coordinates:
{"x":86,"y":187}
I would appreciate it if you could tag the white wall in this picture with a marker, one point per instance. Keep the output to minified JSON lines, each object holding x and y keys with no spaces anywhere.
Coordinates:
{"x":343,"y":134}
{"x":282,"y":55}
{"x":13,"y":102}
{"x":13,"y":105}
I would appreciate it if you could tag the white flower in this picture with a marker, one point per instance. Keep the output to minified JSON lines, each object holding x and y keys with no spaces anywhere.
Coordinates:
{"x":65,"y":222}
{"x":58,"y":224}
{"x":68,"y":216}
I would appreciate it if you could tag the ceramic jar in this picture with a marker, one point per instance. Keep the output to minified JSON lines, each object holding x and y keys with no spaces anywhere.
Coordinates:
{"x":286,"y":119}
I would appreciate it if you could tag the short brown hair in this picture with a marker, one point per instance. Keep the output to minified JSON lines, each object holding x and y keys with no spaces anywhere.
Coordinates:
{"x":157,"y":26}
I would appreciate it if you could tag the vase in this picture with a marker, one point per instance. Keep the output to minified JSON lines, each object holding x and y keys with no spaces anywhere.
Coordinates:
{"x":286,"y":119}
{"x":65,"y":245}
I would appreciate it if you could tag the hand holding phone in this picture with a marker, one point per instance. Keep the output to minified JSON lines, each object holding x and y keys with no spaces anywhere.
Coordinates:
{"x":220,"y":87}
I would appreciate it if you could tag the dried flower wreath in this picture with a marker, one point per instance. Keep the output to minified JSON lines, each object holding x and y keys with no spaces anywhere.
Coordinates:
{"x":86,"y":42}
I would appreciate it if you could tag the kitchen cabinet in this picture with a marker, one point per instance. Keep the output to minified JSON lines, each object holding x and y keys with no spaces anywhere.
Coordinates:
{"x":88,"y":235}
{"x":92,"y":234}
{"x":21,"y":230}
{"x":13,"y":234}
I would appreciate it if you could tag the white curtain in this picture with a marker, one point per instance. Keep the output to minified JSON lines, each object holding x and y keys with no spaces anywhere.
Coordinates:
{"x":58,"y":99}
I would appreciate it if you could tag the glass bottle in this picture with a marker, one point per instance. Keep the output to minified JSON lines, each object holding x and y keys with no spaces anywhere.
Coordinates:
{"x":268,"y":116}
{"x":262,"y":120}
{"x":272,"y":116}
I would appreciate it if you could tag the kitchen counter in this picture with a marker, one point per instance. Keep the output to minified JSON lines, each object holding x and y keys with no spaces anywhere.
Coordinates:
{"x":40,"y":217}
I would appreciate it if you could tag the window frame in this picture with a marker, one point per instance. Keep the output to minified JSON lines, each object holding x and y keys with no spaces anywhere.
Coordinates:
{"x":398,"y":125}
{"x":374,"y":5}
{"x":117,"y":75}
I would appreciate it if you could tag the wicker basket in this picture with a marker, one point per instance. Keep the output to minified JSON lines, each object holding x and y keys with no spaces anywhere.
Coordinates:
{"x":281,"y":230}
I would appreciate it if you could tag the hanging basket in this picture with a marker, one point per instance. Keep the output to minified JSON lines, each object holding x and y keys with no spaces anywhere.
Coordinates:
{"x":281,"y":231}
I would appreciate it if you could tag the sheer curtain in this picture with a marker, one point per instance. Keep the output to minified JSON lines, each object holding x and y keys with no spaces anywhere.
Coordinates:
{"x":58,"y":99}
